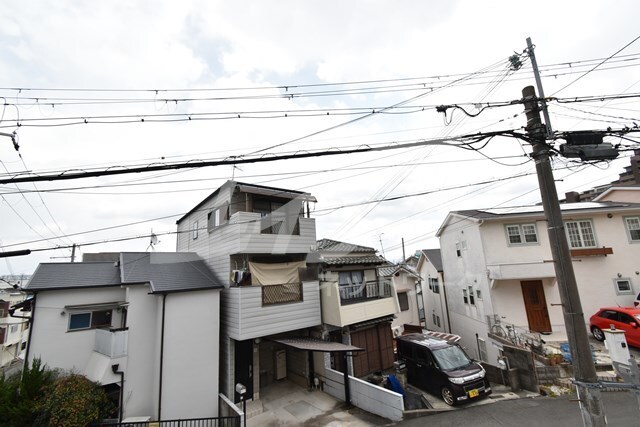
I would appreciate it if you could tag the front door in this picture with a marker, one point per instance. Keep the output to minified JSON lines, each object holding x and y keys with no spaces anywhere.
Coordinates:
{"x":536,"y":305}
{"x":244,"y":368}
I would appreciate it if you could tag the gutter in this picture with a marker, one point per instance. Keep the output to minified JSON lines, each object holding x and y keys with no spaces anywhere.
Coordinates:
{"x":164,"y":302}
{"x":114,"y":368}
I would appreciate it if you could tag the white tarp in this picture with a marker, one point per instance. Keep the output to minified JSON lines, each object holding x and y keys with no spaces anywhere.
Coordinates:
{"x":275,"y":274}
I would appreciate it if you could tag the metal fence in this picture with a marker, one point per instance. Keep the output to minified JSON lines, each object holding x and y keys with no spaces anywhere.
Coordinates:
{"x":282,"y":294}
{"x":358,"y":292}
{"x":193,"y":422}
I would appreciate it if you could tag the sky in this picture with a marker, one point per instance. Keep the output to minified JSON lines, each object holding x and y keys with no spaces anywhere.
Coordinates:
{"x":110,"y":85}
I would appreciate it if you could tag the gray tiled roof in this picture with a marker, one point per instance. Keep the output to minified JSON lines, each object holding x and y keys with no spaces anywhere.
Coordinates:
{"x":354,"y":260}
{"x":328,"y":245}
{"x":168,"y":271}
{"x":65,"y":275}
{"x":434,"y":256}
{"x":165,"y":272}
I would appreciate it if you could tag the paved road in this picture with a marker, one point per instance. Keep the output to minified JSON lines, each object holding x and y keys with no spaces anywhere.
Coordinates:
{"x":621,"y":409}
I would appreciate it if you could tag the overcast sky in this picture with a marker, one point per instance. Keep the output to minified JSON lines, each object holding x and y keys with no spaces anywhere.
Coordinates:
{"x":236,"y":68}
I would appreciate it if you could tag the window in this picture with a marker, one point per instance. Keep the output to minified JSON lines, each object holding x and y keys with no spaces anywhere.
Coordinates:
{"x":403,"y":299}
{"x":195,"y":230}
{"x":217,"y":216}
{"x":623,"y":286}
{"x":580,"y":234}
{"x":433,"y":285}
{"x":352,"y":285}
{"x":633,"y":228}
{"x":14,"y":329}
{"x":521,"y":234}
{"x":472,"y":299}
{"x":465,"y":296}
{"x":89,"y":320}
{"x":478,"y":294}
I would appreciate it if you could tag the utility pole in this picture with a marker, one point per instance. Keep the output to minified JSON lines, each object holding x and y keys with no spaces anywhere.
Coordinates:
{"x":586,"y":380}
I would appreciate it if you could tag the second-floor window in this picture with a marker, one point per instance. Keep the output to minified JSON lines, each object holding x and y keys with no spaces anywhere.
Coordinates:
{"x":633,"y":228}
{"x":580,"y":234}
{"x":89,"y":320}
{"x":403,"y":299}
{"x":433,"y":285}
{"x":521,"y":234}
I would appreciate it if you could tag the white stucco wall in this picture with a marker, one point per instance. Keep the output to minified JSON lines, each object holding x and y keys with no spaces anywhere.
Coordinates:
{"x":404,"y":282}
{"x":50,"y":340}
{"x":434,"y":303}
{"x":191,"y":356}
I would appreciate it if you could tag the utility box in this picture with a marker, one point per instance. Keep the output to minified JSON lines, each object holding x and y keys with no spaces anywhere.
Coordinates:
{"x":281,"y":364}
{"x":616,"y":343}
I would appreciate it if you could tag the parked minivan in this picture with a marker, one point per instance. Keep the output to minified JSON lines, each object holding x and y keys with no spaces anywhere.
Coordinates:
{"x":442,"y":368}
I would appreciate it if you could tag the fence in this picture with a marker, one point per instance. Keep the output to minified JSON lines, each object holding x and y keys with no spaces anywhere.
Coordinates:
{"x":187,"y":422}
{"x":372,"y":289}
{"x":282,"y":294}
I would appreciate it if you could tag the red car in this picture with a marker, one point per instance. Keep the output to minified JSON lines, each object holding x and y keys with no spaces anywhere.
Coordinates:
{"x":626,"y":319}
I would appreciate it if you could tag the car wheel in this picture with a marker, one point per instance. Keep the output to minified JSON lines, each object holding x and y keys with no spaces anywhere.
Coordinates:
{"x":447,"y":396}
{"x":597,"y":333}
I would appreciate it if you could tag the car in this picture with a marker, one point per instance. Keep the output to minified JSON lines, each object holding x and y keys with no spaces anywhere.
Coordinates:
{"x":626,"y":319}
{"x":442,"y":368}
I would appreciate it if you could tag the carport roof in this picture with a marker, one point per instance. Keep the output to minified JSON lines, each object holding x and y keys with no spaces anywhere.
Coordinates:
{"x":312,"y":344}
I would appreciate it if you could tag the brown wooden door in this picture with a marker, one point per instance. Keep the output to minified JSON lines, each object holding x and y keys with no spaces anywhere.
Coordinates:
{"x":535,"y":305}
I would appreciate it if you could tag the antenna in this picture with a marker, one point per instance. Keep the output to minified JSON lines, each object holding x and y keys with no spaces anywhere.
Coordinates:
{"x":153,"y":241}
{"x":381,"y":247}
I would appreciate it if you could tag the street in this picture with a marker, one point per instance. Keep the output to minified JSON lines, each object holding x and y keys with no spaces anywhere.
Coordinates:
{"x":621,"y":410}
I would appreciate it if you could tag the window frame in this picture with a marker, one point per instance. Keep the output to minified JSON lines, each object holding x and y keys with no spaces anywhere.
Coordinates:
{"x":521,"y":234}
{"x":434,"y":285}
{"x":629,"y":230}
{"x":405,"y":295}
{"x":472,"y":298}
{"x":465,"y":296}
{"x":616,"y":283}
{"x":580,"y":233}
{"x":194,"y":232}
{"x":91,"y":325}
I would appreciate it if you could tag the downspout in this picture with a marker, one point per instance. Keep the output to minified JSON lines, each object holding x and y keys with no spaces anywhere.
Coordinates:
{"x":31,"y":318}
{"x":164,"y":302}
{"x":446,"y":303}
{"x":114,"y":368}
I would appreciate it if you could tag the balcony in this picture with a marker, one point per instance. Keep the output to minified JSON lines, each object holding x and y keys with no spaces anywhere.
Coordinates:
{"x":111,"y":342}
{"x":346,"y":305}
{"x":250,"y":312}
{"x":357,"y":293}
{"x":248,"y":232}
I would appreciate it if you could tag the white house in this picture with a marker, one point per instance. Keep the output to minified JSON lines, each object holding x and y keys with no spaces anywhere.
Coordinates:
{"x":13,"y":328}
{"x":409,"y":288}
{"x":498,"y":264}
{"x":434,"y":292}
{"x":144,"y":324}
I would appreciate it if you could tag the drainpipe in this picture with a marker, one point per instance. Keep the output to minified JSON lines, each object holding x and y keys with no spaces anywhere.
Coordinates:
{"x":31,"y":319}
{"x":345,"y":372}
{"x":114,"y":368}
{"x":446,"y":303}
{"x":164,"y":302}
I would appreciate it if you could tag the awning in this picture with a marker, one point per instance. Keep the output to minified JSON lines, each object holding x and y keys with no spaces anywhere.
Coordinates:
{"x":312,"y":344}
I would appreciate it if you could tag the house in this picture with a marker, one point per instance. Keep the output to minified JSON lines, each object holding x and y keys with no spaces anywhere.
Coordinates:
{"x":260,"y":240}
{"x":434,"y":292}
{"x":144,"y":325}
{"x":408,"y":286}
{"x":499,"y":267}
{"x":13,"y":328}
{"x":358,"y":305}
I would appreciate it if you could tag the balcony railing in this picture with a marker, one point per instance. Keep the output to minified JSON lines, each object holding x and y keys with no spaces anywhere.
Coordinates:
{"x":363,"y":291}
{"x":282,"y":294}
{"x":112,"y":343}
{"x":234,"y":421}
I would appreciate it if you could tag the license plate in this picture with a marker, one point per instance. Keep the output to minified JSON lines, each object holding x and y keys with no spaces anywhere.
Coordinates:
{"x":474,"y":393}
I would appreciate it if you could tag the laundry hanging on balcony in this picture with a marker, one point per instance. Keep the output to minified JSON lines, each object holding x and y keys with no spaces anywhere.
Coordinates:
{"x":276,"y":273}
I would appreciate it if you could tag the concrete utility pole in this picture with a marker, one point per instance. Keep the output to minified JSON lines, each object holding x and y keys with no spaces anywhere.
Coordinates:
{"x":586,"y":380}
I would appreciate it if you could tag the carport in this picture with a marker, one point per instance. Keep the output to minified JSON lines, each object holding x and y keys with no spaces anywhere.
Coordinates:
{"x":312,"y":344}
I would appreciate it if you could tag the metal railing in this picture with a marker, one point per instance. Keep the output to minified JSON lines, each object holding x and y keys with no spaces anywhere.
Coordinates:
{"x":282,"y":294}
{"x":187,"y":422}
{"x":515,"y":335}
{"x":363,"y":291}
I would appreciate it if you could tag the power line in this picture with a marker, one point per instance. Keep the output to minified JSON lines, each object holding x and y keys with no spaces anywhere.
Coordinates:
{"x":235,"y":160}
